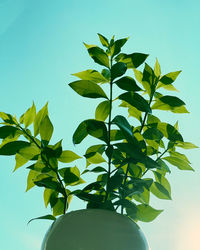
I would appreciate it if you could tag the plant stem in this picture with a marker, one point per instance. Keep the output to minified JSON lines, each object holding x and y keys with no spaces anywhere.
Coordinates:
{"x":124,"y":183}
{"x":109,"y":129}
{"x":47,"y":162}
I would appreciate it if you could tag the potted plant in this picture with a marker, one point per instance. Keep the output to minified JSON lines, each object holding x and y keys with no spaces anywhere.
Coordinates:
{"x":130,"y":160}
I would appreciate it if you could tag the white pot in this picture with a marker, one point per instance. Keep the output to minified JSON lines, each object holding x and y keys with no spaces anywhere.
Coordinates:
{"x":94,"y":229}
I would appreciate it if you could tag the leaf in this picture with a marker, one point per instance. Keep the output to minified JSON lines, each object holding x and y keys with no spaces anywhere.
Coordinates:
{"x":152,"y":134}
{"x":157,"y":70}
{"x":8,"y":119}
{"x":98,"y":55}
{"x":171,"y":103}
{"x":116,"y":135}
{"x":136,"y":101}
{"x":46,"y":217}
{"x":127,"y":83}
{"x":163,"y":166}
{"x":186,"y":145}
{"x":68,"y":156}
{"x":169,"y":132}
{"x":102,"y":111}
{"x":106,"y":74}
{"x":152,"y":119}
{"x":29,"y":152}
{"x":13,"y":147}
{"x":95,"y":170}
{"x":117,"y":45}
{"x":91,"y":75}
{"x":146,"y":213}
{"x":58,"y":208}
{"x":70,"y":175}
{"x":115,"y":182}
{"x":88,"y":89}
{"x":46,"y":130}
{"x":43,"y":180}
{"x":100,"y":148}
{"x":142,"y":197}
{"x":133,"y":60}
{"x":80,"y":133}
{"x":47,"y":195}
{"x":20,"y":161}
{"x":29,"y":116}
{"x":178,"y":162}
{"x":160,"y":191}
{"x":8,"y":131}
{"x":118,"y":70}
{"x":95,"y":159}
{"x":124,"y":126}
{"x":134,"y":112}
{"x":103,"y":40}
{"x":91,"y":127}
{"x":30,"y":179}
{"x":170,"y":77}
{"x":38,"y":119}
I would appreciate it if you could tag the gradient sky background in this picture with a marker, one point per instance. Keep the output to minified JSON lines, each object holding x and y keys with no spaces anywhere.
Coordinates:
{"x":41,"y":45}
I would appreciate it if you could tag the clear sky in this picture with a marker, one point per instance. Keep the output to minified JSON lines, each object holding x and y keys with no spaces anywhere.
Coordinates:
{"x":41,"y":45}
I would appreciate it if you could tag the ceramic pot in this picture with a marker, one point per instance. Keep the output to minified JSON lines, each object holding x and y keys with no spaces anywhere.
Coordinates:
{"x":94,"y":229}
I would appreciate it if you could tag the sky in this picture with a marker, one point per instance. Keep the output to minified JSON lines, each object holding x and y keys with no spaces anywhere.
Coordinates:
{"x":41,"y":45}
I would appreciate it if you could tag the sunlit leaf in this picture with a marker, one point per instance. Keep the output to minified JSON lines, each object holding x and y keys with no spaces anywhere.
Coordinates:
{"x":157,"y":70}
{"x":30,"y":179}
{"x":29,"y":116}
{"x":117,"y":45}
{"x":170,"y":77}
{"x":146,"y":213}
{"x":160,"y":191}
{"x":98,"y":55}
{"x":102,"y":111}
{"x":38,"y":119}
{"x":104,"y":41}
{"x":180,"y":163}
{"x":133,"y":60}
{"x":186,"y":145}
{"x":91,"y":75}
{"x":68,"y":156}
{"x":45,"y":217}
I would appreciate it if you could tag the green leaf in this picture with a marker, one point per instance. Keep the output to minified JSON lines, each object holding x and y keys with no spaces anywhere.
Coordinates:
{"x":117,"y":45}
{"x":100,"y":148}
{"x":29,"y":152}
{"x":46,"y":217}
{"x":46,"y":129}
{"x":152,"y":119}
{"x":20,"y":161}
{"x":163,"y":167}
{"x":88,"y":89}
{"x":43,"y":180}
{"x":8,"y":131}
{"x":169,"y":132}
{"x":134,"y":112}
{"x":186,"y":145}
{"x":95,"y":159}
{"x":80,"y":133}
{"x":142,"y":197}
{"x":127,"y":83}
{"x":8,"y":119}
{"x":38,"y":119}
{"x":138,"y":75}
{"x":118,"y":70}
{"x":146,"y":213}
{"x":124,"y":126}
{"x":29,"y":116}
{"x":98,"y":55}
{"x":133,"y":60}
{"x":157,"y":70}
{"x":71,"y":175}
{"x":30,"y":179}
{"x":58,"y":208}
{"x":104,"y":41}
{"x":136,"y":101}
{"x":106,"y":74}
{"x":91,"y":127}
{"x":178,"y":162}
{"x":115,"y":182}
{"x":95,"y":170}
{"x":91,"y":75}
{"x":170,"y":77}
{"x":13,"y":147}
{"x":171,"y":103}
{"x":102,"y":111}
{"x":152,"y":134}
{"x":116,"y":135}
{"x":160,"y":191}
{"x":47,"y":195}
{"x":68,"y":156}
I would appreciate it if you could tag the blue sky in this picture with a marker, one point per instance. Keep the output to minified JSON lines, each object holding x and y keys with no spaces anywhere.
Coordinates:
{"x":41,"y":45}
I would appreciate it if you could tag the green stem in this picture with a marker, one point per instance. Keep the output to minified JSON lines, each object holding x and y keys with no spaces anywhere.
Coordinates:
{"x":109,"y":129}
{"x":47,"y":162}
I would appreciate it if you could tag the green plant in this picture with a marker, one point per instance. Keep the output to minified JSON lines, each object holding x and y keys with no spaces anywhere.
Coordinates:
{"x":131,"y":160}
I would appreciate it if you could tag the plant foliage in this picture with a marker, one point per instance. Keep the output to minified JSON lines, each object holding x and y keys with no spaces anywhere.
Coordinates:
{"x":133,"y":156}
